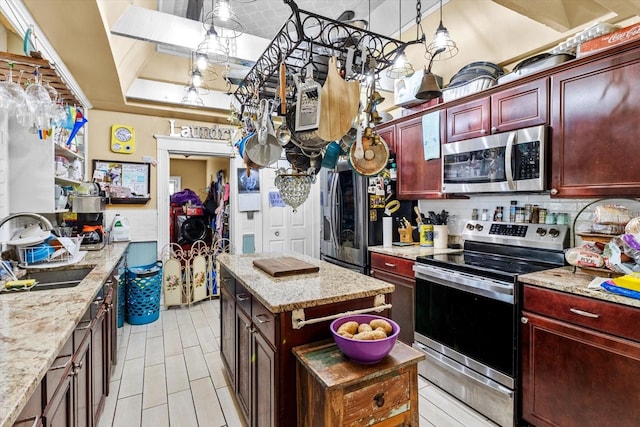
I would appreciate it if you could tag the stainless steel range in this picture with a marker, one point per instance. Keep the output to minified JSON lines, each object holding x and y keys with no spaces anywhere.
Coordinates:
{"x":466,"y":311}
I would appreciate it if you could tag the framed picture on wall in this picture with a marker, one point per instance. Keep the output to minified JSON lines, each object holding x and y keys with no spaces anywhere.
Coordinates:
{"x":123,"y":182}
{"x":248,"y":182}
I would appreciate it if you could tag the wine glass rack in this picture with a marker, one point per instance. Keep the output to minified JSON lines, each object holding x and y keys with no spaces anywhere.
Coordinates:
{"x":307,"y":38}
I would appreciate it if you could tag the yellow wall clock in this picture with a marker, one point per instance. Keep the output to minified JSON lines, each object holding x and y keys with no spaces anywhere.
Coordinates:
{"x":123,"y":139}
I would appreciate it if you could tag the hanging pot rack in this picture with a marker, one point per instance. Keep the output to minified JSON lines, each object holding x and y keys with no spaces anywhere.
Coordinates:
{"x":309,"y":39}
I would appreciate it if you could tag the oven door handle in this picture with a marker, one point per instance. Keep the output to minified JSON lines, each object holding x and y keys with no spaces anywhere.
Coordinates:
{"x":465,"y":282}
{"x":452,"y":366}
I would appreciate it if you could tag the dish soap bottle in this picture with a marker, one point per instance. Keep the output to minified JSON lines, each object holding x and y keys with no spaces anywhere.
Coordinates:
{"x":120,"y":230}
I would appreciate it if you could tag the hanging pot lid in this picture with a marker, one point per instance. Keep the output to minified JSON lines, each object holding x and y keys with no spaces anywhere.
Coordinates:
{"x":376,"y":156}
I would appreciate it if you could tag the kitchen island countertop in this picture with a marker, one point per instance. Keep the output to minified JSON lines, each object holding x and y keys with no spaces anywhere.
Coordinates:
{"x":568,"y":279}
{"x":35,"y":326}
{"x":279,"y":294}
{"x":411,"y":252}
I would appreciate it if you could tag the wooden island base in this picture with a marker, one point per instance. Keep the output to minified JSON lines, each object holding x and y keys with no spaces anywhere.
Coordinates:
{"x":333,"y":391}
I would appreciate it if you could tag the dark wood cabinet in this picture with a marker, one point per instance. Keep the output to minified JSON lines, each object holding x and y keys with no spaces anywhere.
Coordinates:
{"x":59,"y":412}
{"x":514,"y":108}
{"x":387,"y":132}
{"x":83,"y":375}
{"x":265,"y":382}
{"x":264,"y":378}
{"x":468,"y":120}
{"x":398,"y":271}
{"x":243,"y":354}
{"x":254,"y":353}
{"x":595,"y":128}
{"x":228,"y":328}
{"x":417,"y":178}
{"x":576,"y":368}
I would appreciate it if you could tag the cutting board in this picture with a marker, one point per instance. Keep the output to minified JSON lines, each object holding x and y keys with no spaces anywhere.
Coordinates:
{"x":339,"y":102}
{"x":284,"y":266}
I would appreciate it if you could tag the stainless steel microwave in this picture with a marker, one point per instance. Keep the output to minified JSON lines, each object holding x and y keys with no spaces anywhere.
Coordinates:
{"x":504,"y":162}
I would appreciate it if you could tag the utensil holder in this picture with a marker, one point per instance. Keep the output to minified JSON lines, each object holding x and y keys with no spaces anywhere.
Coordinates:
{"x":440,"y":236}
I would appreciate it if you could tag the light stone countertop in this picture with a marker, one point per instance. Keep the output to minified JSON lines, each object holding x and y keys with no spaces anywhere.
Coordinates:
{"x":411,"y":252}
{"x":35,"y":325}
{"x":280,"y":294}
{"x":568,"y":279}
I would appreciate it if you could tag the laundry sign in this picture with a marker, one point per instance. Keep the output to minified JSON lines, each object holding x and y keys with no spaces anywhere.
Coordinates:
{"x":202,"y":132}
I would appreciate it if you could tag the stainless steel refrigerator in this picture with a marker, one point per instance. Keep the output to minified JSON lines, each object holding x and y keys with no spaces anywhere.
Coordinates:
{"x":350,"y":221}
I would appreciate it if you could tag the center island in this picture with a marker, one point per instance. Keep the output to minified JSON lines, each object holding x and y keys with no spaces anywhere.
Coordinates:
{"x":264,"y":317}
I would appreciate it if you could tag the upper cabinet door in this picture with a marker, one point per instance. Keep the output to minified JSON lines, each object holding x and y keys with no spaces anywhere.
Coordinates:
{"x":520,"y":107}
{"x":387,"y":132}
{"x":469,"y":120}
{"x":595,"y":128}
{"x":417,"y":178}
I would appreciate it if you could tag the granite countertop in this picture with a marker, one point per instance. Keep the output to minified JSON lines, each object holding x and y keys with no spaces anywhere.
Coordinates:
{"x":411,"y":252}
{"x":35,"y":325}
{"x":280,"y":294}
{"x":574,"y":281}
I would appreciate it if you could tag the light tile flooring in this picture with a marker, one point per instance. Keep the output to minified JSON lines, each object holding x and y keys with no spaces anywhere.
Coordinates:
{"x":169,"y":373}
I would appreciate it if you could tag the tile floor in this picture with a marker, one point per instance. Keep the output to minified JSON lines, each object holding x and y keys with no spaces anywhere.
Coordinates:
{"x":169,"y":373}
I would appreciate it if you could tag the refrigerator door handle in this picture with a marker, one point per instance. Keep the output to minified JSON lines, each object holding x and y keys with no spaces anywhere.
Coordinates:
{"x":333,"y":208}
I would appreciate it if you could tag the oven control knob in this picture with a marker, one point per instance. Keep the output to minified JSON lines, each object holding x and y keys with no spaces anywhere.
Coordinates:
{"x":554,"y":232}
{"x":470,"y":227}
{"x":541,"y":231}
{"x":479,"y":227}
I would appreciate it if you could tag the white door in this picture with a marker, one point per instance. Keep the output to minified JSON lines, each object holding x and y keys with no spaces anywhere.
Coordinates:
{"x":286,"y":231}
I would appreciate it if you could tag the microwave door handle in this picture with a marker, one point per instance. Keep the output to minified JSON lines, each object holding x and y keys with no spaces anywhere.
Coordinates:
{"x":507,"y":160}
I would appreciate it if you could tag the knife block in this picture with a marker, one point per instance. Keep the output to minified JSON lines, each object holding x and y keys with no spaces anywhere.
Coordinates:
{"x":406,"y":234}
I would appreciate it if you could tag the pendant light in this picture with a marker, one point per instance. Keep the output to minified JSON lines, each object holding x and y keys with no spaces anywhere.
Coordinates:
{"x":401,"y":67}
{"x":442,"y":47}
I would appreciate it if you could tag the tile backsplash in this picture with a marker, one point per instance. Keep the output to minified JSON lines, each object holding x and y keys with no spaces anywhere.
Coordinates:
{"x":460,"y":209}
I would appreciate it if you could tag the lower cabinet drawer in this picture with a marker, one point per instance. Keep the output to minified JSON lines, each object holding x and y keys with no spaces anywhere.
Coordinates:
{"x":264,"y":321}
{"x":378,"y":401}
{"x":243,"y":298}
{"x":592,"y":313}
{"x":392,"y":264}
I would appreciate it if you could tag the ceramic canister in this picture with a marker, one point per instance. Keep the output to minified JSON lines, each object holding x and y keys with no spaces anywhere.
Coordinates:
{"x":426,"y":235}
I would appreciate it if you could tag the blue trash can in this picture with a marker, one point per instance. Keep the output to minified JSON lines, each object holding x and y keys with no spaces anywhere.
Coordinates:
{"x":144,"y":286}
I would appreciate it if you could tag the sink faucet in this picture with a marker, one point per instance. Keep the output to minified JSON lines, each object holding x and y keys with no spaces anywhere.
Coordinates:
{"x":44,"y":221}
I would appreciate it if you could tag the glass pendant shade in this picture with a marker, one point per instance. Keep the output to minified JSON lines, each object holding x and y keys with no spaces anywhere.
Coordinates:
{"x":192,"y":97}
{"x":443,"y":43}
{"x":441,"y":46}
{"x":294,"y":187}
{"x":401,"y":68}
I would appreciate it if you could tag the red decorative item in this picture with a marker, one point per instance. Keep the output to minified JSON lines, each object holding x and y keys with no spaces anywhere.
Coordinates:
{"x":623,"y":35}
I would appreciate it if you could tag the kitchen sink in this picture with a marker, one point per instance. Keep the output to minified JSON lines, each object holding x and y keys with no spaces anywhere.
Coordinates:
{"x":57,"y":279}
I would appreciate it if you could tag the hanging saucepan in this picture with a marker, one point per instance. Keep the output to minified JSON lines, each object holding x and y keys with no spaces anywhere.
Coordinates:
{"x":302,"y":161}
{"x":371,"y":157}
{"x":263,"y":148}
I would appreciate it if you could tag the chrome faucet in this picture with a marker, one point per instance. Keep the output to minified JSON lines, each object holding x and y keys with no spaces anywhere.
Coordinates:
{"x":44,"y":221}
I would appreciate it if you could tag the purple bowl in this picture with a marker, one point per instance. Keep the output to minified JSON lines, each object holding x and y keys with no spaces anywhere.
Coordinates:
{"x":366,"y":352}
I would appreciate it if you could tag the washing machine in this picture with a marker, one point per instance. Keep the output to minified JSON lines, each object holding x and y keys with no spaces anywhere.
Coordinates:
{"x":186,"y":228}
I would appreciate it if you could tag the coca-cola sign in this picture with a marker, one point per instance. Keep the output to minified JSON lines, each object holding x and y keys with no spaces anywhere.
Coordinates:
{"x":621,"y":36}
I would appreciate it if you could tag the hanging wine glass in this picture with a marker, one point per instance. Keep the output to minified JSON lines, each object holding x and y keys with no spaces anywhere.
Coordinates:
{"x":41,"y":100}
{"x":19,"y":100}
